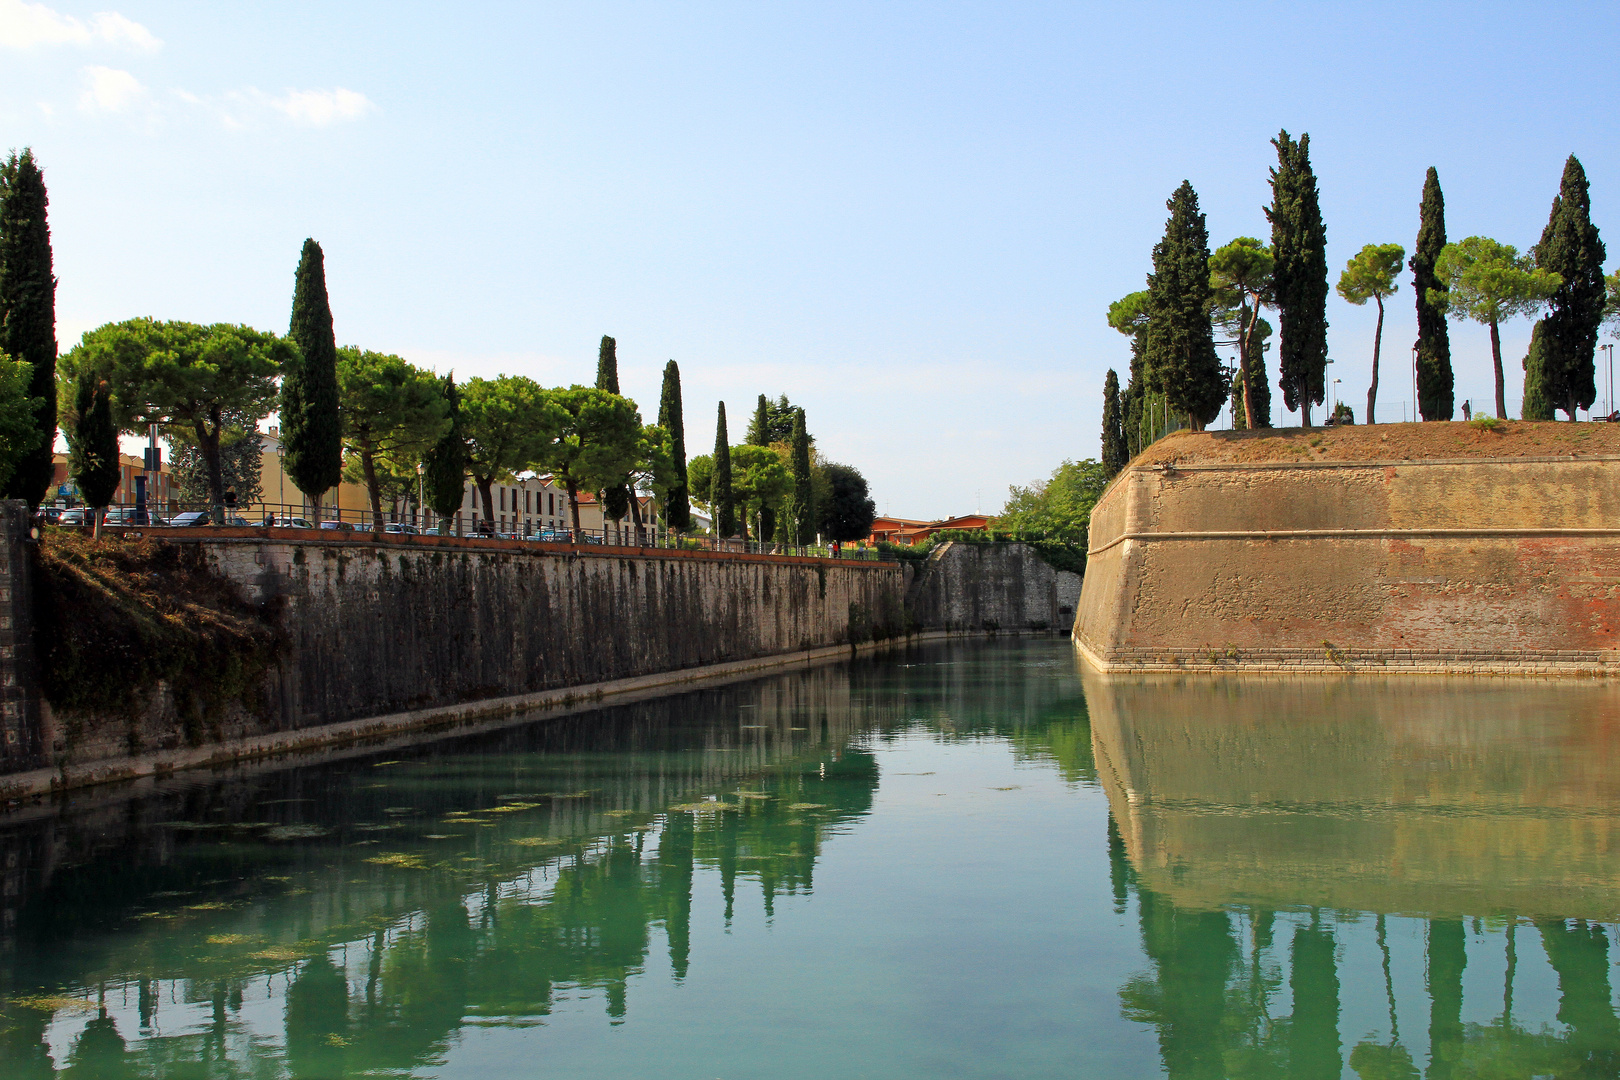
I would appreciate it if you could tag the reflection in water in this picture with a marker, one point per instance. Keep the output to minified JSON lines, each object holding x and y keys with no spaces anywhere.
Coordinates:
{"x":1477,"y":809}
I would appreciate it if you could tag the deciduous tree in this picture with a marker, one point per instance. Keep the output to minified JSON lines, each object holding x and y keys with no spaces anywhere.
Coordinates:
{"x":1240,"y":276}
{"x":1570,"y":247}
{"x":1300,"y":276}
{"x":390,"y":409}
{"x":182,"y":374}
{"x":28,"y":318}
{"x":759,"y":484}
{"x":1178,"y":353}
{"x":1436,"y":386}
{"x":1371,"y":276}
{"x":311,"y":430}
{"x":1058,"y":508}
{"x":848,"y":512}
{"x":1487,"y":281}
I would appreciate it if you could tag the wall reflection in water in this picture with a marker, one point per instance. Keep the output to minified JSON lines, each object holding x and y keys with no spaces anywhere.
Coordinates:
{"x":353,"y":918}
{"x":1298,"y":850}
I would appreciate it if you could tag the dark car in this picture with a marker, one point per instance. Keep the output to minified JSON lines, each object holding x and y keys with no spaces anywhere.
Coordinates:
{"x":191,"y":519}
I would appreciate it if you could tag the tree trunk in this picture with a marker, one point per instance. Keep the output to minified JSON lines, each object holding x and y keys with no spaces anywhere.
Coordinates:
{"x":1305,"y":410}
{"x":573,"y":504}
{"x":1243,"y":366}
{"x":1378,"y":343}
{"x":635,"y":518}
{"x":1496,"y":358}
{"x":208,"y":447}
{"x":96,"y":514}
{"x":368,"y":464}
{"x":489,"y":503}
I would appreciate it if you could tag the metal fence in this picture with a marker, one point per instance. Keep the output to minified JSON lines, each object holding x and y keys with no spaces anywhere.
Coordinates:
{"x":362,"y":523}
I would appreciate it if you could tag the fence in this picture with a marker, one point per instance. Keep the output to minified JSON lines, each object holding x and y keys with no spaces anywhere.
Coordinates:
{"x":360,"y":521}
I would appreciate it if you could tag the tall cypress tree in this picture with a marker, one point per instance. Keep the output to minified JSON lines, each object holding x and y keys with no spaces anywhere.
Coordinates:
{"x":607,"y":365}
{"x":444,"y":466}
{"x":1535,"y":406}
{"x":725,"y":514}
{"x":1300,"y":279}
{"x":28,"y":312}
{"x":1114,"y":454}
{"x":803,"y":519}
{"x":93,"y":444}
{"x":677,"y":504}
{"x":311,"y":435}
{"x":616,"y":497}
{"x":1436,"y":386}
{"x":1178,"y":353}
{"x":1570,"y":247}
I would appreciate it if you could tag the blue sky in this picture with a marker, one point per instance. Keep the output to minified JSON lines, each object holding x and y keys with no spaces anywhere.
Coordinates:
{"x":910,"y":218}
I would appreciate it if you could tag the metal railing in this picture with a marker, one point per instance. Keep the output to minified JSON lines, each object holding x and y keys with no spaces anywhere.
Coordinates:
{"x":360,"y":523}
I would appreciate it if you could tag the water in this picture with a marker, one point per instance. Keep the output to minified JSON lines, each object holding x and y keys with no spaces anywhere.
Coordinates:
{"x":962,"y":861}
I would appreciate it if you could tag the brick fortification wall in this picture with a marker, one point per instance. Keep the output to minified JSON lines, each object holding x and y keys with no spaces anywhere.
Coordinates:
{"x":1005,"y":586}
{"x":1508,"y":565}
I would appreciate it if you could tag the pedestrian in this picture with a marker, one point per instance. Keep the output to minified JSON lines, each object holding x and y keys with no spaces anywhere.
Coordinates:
{"x":1468,"y":411}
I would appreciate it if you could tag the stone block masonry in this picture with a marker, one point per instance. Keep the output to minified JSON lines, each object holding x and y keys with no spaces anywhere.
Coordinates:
{"x":992,"y":587}
{"x":1438,"y":565}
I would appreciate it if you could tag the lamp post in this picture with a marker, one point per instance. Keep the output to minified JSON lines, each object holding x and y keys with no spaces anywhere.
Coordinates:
{"x":1610,"y":400}
{"x":1334,"y":412}
{"x":420,"y":518}
{"x":1415,"y":345}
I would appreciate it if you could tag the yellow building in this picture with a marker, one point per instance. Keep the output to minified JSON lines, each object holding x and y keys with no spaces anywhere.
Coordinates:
{"x":348,"y":502}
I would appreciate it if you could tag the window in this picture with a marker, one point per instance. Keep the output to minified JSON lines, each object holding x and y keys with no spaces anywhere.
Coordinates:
{"x":525,"y":500}
{"x":503,"y":500}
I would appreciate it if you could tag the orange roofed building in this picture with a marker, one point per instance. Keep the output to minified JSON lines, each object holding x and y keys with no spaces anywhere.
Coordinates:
{"x":893,"y":530}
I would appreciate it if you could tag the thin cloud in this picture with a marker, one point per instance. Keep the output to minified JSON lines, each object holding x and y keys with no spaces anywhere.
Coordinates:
{"x":320,"y":108}
{"x":109,"y":90}
{"x":25,"y":26}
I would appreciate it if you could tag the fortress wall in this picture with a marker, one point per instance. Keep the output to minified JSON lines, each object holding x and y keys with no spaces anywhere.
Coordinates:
{"x":1438,"y":565}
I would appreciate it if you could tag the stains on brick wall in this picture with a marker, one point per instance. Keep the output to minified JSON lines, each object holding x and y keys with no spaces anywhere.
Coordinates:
{"x":991,"y":587}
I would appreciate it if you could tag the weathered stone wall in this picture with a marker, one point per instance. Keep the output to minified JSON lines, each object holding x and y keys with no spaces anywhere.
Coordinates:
{"x":375,"y":628}
{"x":1004,"y":586}
{"x":1438,"y":565}
{"x":21,"y":740}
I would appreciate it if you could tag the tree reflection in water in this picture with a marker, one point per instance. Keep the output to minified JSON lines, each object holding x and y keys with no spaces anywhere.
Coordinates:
{"x":1292,"y":792}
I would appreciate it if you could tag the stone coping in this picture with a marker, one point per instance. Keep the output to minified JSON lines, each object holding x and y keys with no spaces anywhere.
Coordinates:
{"x":1360,"y":534}
{"x":1347,"y":660}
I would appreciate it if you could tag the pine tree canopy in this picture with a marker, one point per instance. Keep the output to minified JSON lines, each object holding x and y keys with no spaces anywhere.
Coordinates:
{"x":1570,"y":247}
{"x":1178,"y":353}
{"x":1300,"y":277}
{"x":311,"y":431}
{"x":28,"y":319}
{"x":1436,"y":387}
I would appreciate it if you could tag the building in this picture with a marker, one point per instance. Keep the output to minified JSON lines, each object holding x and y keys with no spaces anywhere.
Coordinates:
{"x":893,"y":530}
{"x":160,"y":494}
{"x":347,"y":502}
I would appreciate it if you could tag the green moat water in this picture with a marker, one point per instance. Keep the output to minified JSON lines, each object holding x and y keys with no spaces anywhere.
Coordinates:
{"x":962,"y":860}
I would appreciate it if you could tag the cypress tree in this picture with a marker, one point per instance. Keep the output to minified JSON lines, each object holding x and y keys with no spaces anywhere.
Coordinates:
{"x":725,"y":515}
{"x":1300,"y":279}
{"x":444,"y":466}
{"x":1256,"y":361}
{"x":28,"y":312}
{"x":1436,"y":386}
{"x":607,"y":365}
{"x":1179,"y":351}
{"x":615,"y":499}
{"x":1114,"y":454}
{"x":678,"y":503}
{"x":311,"y":435}
{"x":803,"y":519}
{"x":1536,"y":406}
{"x":93,"y":444}
{"x":1570,"y":247}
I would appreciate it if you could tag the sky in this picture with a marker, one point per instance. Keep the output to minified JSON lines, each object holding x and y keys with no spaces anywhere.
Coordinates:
{"x":909,"y":218}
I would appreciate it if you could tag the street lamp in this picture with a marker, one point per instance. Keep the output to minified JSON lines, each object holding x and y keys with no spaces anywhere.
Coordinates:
{"x":421,"y":518}
{"x":1336,"y":383}
{"x":1415,"y":345}
{"x":1610,"y":410}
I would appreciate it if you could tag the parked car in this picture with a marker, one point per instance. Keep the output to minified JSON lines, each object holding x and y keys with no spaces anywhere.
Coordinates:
{"x":191,"y":519}
{"x":130,"y":515}
{"x":293,"y":523}
{"x":339,"y":526}
{"x":401,"y":529}
{"x":48,"y":515}
{"x":73,"y":515}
